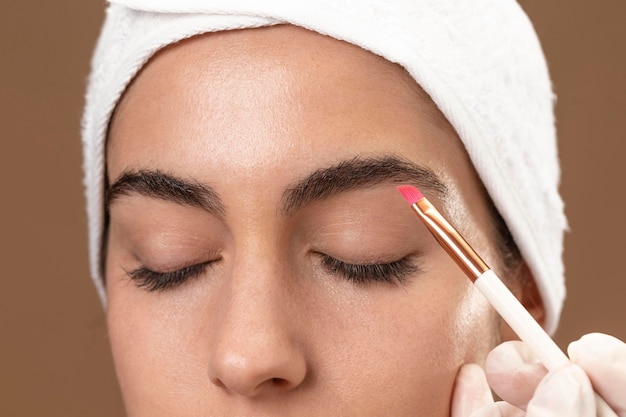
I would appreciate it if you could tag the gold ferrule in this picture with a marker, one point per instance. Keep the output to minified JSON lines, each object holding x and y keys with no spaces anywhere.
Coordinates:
{"x":451,"y":240}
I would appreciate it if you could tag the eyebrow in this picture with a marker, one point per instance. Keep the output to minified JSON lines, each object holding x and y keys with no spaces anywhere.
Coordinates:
{"x":347,"y":175}
{"x":164,"y":186}
{"x":359,"y":173}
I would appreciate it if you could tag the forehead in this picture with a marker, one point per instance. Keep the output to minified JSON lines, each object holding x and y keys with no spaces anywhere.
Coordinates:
{"x":280,"y":98}
{"x":287,"y":64}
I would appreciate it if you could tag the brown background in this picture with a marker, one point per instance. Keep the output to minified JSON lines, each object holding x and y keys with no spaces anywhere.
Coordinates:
{"x":54,"y":359}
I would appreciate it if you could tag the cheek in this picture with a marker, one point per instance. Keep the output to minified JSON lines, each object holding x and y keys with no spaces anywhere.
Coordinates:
{"x":455,"y":329}
{"x":401,"y":352}
{"x":475,"y":326}
{"x":156,"y":349}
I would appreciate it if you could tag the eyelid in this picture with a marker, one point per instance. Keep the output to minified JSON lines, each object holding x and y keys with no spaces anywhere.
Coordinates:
{"x":391,"y":272}
{"x":152,"y":281}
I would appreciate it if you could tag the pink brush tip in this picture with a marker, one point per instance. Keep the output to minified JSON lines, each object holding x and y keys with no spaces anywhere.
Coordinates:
{"x":410,"y":193}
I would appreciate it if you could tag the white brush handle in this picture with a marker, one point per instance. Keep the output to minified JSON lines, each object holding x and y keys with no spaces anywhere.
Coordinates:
{"x":528,"y":330}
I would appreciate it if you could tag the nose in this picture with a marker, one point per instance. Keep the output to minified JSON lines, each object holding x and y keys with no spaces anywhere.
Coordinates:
{"x":255,"y":348}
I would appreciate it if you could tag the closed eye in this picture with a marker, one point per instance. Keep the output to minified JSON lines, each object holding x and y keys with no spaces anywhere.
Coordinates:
{"x":151,"y":280}
{"x":391,"y":272}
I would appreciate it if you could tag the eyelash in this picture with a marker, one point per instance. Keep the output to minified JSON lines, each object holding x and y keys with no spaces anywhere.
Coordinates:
{"x":391,"y":272}
{"x":161,"y":281}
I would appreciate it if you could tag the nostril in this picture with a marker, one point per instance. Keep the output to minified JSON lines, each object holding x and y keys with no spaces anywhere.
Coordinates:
{"x":218,"y":383}
{"x":279,"y":382}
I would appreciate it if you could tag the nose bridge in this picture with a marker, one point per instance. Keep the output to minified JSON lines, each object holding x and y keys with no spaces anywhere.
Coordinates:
{"x":255,"y":348}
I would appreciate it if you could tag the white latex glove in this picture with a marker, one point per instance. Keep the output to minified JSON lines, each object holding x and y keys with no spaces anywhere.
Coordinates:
{"x":528,"y":390}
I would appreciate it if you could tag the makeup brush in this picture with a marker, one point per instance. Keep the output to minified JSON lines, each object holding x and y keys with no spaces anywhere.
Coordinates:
{"x":488,"y":283}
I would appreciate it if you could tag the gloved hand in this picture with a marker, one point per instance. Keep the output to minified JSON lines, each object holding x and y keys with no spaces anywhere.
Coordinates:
{"x":528,"y":390}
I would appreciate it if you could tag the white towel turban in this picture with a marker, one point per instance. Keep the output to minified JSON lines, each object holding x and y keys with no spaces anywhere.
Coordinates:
{"x":479,"y":60}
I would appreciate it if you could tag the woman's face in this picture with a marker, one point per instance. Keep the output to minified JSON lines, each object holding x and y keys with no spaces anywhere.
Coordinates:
{"x":260,"y":261}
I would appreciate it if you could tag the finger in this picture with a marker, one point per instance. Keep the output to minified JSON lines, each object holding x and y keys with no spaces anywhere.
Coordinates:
{"x":499,"y":409}
{"x":563,"y":392}
{"x":603,"y":358}
{"x":471,"y":391}
{"x":514,"y":372}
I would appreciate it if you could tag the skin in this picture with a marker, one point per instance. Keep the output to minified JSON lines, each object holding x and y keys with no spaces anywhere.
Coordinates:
{"x":266,"y":329}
